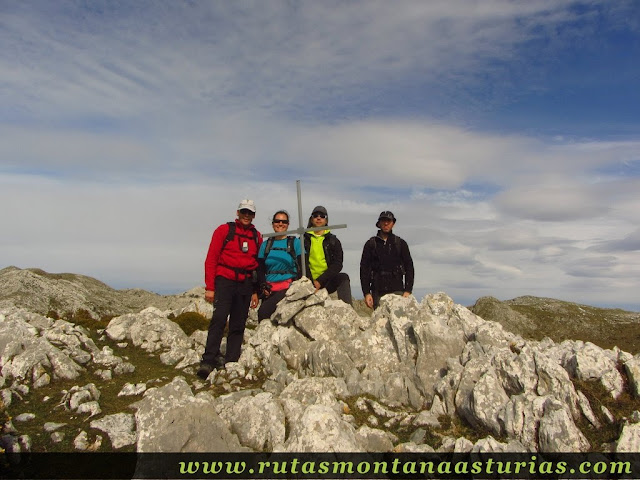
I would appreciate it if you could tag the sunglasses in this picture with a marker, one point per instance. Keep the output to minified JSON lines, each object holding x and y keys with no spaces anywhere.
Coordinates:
{"x":278,"y":220}
{"x":246,"y":211}
{"x":319,"y":215}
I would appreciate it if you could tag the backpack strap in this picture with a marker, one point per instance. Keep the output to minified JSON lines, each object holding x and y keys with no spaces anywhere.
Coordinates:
{"x":268,"y":246}
{"x":230,"y":236}
{"x":398,"y":242}
{"x":232,"y":233}
{"x":290,"y":249}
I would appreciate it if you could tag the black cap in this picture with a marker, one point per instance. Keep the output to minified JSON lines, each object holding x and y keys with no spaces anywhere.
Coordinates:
{"x":387,"y":215}
{"x":319,"y":209}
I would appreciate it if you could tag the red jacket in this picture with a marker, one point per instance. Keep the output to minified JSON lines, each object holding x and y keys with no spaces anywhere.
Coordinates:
{"x":218,"y":260}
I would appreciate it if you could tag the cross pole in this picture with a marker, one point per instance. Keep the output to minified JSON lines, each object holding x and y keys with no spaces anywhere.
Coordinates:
{"x":300,"y":231}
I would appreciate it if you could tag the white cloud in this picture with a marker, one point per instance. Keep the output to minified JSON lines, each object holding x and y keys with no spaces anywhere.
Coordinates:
{"x":629,"y":243}
{"x":551,"y":203}
{"x":129,"y":131}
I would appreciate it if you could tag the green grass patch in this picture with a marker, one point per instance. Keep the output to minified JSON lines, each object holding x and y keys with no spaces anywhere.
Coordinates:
{"x":458,"y":427}
{"x":621,"y":407}
{"x":149,"y":369}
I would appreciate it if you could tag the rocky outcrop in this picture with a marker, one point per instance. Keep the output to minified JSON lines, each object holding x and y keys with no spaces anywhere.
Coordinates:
{"x":319,"y":377}
{"x":172,"y":419}
{"x":152,"y":331}
{"x":38,"y":291}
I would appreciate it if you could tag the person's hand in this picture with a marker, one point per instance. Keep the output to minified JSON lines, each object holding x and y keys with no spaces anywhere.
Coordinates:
{"x":368,"y":299}
{"x":254,"y":300}
{"x":406,"y":294}
{"x":316,"y":284}
{"x":209,"y":296}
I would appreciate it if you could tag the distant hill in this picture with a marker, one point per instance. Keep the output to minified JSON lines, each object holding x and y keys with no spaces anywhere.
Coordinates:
{"x":538,"y":317}
{"x":42,"y":292}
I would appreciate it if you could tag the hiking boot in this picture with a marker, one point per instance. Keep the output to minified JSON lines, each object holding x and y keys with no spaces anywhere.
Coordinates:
{"x":204,"y":370}
{"x":219,"y":362}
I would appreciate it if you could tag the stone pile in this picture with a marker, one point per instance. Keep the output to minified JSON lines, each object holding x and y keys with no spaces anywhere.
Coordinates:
{"x":318,"y":377}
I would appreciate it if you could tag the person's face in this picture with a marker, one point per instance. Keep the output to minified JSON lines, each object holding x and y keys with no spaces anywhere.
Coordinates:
{"x":280,"y":223}
{"x":386,"y":225}
{"x":245,"y":216}
{"x":319,"y":219}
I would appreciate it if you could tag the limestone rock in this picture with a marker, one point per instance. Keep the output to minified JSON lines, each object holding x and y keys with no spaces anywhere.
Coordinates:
{"x":119,"y":427}
{"x":171,"y":419}
{"x":374,"y":440}
{"x":321,"y":429}
{"x":259,"y":421}
{"x":558,"y":432}
{"x":629,"y":440}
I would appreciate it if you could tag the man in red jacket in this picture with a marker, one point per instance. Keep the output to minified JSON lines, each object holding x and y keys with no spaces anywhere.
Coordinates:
{"x":229,"y":275}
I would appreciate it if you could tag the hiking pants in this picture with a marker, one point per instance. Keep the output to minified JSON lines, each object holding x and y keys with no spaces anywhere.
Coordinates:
{"x":232,"y":299}
{"x":269,"y":304}
{"x":342,"y":285}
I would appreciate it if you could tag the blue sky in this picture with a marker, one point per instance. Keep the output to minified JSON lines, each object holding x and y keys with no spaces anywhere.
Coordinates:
{"x":504,"y":135}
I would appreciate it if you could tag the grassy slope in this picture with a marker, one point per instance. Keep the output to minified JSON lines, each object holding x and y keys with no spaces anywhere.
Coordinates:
{"x":536,"y":318}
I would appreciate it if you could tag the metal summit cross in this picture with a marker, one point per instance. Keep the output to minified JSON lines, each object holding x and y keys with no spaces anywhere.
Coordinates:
{"x":300,"y":231}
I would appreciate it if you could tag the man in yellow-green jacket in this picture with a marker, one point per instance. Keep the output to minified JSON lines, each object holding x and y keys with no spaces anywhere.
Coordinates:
{"x":325,"y":257}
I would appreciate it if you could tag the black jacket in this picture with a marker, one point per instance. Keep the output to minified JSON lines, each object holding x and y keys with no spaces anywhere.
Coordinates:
{"x":332,"y":253}
{"x":386,"y":266}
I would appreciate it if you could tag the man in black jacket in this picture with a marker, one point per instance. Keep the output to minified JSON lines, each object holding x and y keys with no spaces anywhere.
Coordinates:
{"x":386,"y":265}
{"x":325,"y":257}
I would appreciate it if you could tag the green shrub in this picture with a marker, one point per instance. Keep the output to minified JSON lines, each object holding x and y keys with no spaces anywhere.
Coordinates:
{"x":192,"y":321}
{"x":104,"y":320}
{"x":83,"y":318}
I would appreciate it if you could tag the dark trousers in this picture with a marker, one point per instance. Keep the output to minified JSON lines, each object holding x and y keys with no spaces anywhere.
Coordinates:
{"x":342,"y":285}
{"x":232,"y":299}
{"x":269,"y":304}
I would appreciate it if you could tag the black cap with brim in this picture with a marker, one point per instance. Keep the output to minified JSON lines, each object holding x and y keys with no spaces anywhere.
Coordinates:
{"x":319,"y":209}
{"x":386,"y":215}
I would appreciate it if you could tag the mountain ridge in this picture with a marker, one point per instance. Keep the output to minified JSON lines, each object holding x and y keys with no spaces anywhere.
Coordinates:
{"x":41,"y":292}
{"x":530,"y":316}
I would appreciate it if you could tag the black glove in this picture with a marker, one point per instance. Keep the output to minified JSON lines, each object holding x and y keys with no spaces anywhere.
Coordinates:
{"x":265,"y":290}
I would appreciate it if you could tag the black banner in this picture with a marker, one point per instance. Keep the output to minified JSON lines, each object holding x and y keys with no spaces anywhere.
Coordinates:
{"x":318,"y":465}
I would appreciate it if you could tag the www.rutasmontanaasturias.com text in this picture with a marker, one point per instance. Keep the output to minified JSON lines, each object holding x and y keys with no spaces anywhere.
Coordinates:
{"x":267,"y":469}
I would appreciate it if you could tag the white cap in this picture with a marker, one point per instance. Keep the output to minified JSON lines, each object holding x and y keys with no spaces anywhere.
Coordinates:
{"x":248,"y":204}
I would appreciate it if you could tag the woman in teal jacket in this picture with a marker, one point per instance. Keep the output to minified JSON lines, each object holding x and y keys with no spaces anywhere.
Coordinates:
{"x":279,"y":264}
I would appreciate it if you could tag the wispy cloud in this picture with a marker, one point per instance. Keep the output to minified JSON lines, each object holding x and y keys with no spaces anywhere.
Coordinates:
{"x":501,"y":133}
